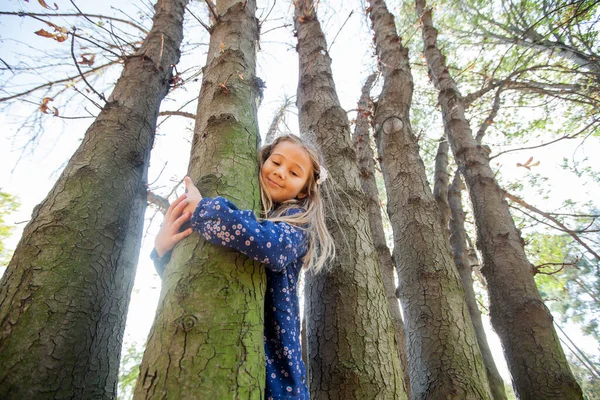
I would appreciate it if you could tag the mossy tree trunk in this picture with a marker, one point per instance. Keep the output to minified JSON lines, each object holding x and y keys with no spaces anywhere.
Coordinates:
{"x":458,"y":241}
{"x":207,"y":337}
{"x":366,"y":167}
{"x":443,"y":354}
{"x":351,"y":348}
{"x":535,"y":358}
{"x":65,"y":293}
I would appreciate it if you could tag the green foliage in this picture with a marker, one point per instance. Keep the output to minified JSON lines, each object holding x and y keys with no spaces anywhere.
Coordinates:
{"x":590,"y":384}
{"x":8,"y":204}
{"x":540,"y":55}
{"x":568,"y":279}
{"x":129,"y":371}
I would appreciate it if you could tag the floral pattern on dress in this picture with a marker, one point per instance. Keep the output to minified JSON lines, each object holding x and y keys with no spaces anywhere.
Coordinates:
{"x":280,"y":247}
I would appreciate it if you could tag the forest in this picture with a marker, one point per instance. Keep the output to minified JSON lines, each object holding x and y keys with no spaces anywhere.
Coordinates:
{"x":462,"y":195}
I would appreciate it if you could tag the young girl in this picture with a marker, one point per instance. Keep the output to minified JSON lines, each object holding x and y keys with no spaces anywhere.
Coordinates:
{"x":292,"y":234}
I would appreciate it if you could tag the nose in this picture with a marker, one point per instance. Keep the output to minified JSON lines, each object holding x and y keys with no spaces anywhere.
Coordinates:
{"x":280,"y":172}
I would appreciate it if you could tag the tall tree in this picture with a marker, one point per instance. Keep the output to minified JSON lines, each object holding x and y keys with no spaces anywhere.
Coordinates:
{"x":537,"y":362}
{"x":207,"y":338}
{"x":366,"y":166}
{"x":442,"y":349}
{"x":351,"y":350}
{"x":458,"y":241}
{"x":64,"y":296}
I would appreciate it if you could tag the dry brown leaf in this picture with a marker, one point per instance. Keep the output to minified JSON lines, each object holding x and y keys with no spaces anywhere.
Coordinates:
{"x":60,"y":36}
{"x":43,"y":4}
{"x":44,"y":33}
{"x":87,"y":59}
{"x":528,"y":164}
{"x":45,"y":109}
{"x":57,"y":28}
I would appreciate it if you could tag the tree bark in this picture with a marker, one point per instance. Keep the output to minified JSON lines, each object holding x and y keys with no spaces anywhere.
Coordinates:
{"x":441,"y":182}
{"x":273,"y":128}
{"x":207,"y":338}
{"x":532,"y":349}
{"x":65,"y":293}
{"x":458,"y":242}
{"x":366,"y":166}
{"x":351,"y":347}
{"x":443,"y":354}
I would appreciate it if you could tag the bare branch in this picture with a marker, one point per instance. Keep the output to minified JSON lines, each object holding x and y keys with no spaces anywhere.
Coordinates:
{"x":211,"y":7}
{"x":548,"y":143}
{"x":490,"y":118}
{"x":338,"y":32}
{"x":537,"y":268}
{"x":79,"y":69}
{"x":29,"y":14}
{"x":109,"y":32}
{"x":564,"y":228}
{"x":50,"y":84}
{"x":160,"y":202}
{"x":272,"y":132}
{"x":178,"y":113}
{"x":208,"y":29}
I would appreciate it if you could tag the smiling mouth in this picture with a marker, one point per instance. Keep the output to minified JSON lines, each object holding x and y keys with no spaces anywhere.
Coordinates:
{"x":274,"y":183}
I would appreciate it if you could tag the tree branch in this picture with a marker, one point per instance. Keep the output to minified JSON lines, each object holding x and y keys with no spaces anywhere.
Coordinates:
{"x":178,"y":113}
{"x":79,"y":69}
{"x":87,"y":16}
{"x":49,"y":84}
{"x":208,"y":29}
{"x":160,"y":202}
{"x":548,"y":143}
{"x":571,"y":233}
{"x":490,"y":118}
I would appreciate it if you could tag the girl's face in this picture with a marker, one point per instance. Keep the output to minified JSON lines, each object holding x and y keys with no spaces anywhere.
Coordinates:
{"x":286,"y":172}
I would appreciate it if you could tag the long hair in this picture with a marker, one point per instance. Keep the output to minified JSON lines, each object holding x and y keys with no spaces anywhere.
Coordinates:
{"x":312,"y":217}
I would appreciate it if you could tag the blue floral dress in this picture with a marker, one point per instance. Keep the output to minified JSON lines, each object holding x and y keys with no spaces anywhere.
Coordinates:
{"x":280,"y":247}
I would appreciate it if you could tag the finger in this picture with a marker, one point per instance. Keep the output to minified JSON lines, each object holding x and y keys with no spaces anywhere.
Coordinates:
{"x":183,"y":234}
{"x":188,"y":183}
{"x":176,"y":207}
{"x":175,"y":204}
{"x":181,"y":220}
{"x":191,"y":188}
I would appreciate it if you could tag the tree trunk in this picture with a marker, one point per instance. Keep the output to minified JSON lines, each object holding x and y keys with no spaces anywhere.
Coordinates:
{"x":443,"y":354}
{"x":351,"y":349}
{"x":274,"y":127}
{"x":441,"y":182}
{"x":207,"y":338}
{"x":532,"y":349}
{"x":366,"y":166}
{"x":64,"y":296}
{"x":458,"y":241}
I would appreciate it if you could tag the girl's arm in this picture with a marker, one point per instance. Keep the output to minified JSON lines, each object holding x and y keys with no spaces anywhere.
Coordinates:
{"x":169,"y":234}
{"x":275,"y":244}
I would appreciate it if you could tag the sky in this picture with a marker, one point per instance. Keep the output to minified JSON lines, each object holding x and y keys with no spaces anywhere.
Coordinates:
{"x":31,"y":175}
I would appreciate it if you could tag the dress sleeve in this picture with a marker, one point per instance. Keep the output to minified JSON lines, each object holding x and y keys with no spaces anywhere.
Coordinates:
{"x":160,"y":262}
{"x":275,"y":244}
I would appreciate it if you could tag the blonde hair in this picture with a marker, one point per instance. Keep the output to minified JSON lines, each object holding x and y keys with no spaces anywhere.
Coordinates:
{"x":312,"y":217}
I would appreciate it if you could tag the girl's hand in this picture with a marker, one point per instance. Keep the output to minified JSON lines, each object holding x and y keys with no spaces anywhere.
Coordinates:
{"x":169,"y":234}
{"x":193,"y":195}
